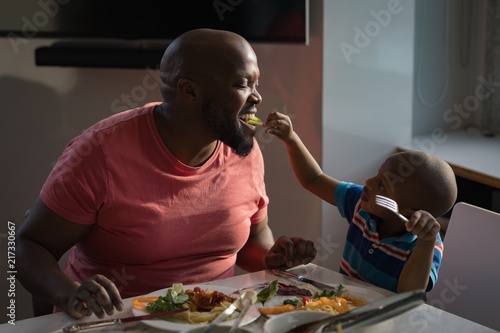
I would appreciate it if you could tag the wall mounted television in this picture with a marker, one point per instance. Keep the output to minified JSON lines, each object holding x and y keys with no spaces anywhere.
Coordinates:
{"x":74,"y":22}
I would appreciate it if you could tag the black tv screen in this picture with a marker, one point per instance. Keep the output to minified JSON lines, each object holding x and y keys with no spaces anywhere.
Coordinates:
{"x":257,"y":20}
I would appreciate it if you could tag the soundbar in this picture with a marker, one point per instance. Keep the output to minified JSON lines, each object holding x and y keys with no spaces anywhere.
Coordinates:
{"x":98,"y":57}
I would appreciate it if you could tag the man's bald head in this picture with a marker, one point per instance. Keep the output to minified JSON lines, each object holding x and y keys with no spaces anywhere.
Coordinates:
{"x":201,"y":54}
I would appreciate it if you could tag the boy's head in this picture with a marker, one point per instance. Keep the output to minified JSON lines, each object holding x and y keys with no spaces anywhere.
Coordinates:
{"x":416,"y":181}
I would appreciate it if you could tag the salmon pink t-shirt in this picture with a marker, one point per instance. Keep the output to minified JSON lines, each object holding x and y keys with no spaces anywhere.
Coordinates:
{"x":155,"y":221}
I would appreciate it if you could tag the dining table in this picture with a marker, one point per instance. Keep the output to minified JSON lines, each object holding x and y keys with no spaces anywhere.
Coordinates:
{"x":422,"y":318}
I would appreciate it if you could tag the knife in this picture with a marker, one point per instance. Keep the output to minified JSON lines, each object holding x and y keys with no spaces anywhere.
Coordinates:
{"x":248,"y":295}
{"x":300,"y":278}
{"x":77,"y":327}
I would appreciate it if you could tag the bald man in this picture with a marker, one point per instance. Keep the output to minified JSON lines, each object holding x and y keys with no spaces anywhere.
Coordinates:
{"x":165,"y":193}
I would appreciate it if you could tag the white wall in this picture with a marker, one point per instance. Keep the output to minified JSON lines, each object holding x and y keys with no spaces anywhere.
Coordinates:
{"x":42,"y":108}
{"x":393,"y":69}
{"x":368,"y":55}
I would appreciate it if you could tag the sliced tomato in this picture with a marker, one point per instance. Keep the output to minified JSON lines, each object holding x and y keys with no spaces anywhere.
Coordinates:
{"x":305,"y":300}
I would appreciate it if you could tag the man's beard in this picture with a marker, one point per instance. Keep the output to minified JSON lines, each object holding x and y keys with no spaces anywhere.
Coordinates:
{"x":227,"y":130}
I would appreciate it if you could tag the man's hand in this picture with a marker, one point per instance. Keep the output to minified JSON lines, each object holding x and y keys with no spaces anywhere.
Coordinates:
{"x":96,"y":295}
{"x":290,"y":252}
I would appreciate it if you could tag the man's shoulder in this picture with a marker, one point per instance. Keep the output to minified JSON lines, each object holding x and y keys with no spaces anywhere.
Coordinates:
{"x":122,"y":117}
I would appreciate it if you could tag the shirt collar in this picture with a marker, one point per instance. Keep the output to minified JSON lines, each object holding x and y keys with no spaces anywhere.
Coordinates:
{"x":405,"y":238}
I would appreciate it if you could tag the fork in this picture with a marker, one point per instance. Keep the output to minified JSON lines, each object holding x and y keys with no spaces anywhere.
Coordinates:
{"x":248,"y":300}
{"x":389,"y":204}
{"x":255,"y":286}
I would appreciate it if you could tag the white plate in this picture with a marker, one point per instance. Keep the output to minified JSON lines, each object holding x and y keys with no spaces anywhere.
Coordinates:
{"x":178,"y":325}
{"x":284,"y":322}
{"x":366,"y":294}
{"x":217,"y":329}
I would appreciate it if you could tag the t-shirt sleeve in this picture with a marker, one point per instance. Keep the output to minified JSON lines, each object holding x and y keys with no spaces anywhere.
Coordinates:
{"x":346,"y":197}
{"x":436,"y":263}
{"x":77,"y":185}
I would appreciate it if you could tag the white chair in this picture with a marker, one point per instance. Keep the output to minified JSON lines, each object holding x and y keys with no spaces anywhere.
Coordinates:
{"x":469,"y":278}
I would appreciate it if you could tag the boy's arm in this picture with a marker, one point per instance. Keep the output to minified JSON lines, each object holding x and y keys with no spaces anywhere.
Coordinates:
{"x":306,"y":169}
{"x":416,"y":272}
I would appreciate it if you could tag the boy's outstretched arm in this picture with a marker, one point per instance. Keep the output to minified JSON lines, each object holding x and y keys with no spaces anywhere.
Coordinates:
{"x":416,"y":272}
{"x":305,"y":167}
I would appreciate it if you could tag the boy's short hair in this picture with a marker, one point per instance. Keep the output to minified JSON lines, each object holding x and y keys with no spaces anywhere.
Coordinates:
{"x":433,"y":178}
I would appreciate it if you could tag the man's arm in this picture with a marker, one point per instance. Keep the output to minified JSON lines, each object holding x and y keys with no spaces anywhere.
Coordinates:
{"x":42,"y":239}
{"x":252,"y":256}
{"x":261,"y":251}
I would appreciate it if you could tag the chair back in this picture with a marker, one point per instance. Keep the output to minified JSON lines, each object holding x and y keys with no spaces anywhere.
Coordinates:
{"x":469,"y":278}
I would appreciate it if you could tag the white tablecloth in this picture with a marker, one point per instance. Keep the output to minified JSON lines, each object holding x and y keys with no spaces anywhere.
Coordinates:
{"x":424,"y":318}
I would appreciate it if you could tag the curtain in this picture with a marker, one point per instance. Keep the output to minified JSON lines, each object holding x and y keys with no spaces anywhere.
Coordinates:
{"x":491,"y":109}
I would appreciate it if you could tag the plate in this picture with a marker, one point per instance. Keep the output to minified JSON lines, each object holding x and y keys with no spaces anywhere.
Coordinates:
{"x":284,"y":322}
{"x":366,"y":294}
{"x":217,"y":329}
{"x":177,"y":325}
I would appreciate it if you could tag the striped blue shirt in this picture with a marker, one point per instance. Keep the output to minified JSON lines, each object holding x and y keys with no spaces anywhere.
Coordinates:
{"x":368,"y":258}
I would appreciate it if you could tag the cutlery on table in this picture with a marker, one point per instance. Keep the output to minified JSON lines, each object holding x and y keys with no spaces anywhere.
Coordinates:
{"x":389,"y":204}
{"x":246,"y":304}
{"x":369,"y":314}
{"x":246,"y":295}
{"x":77,"y":327}
{"x":238,"y":291}
{"x":300,"y":278}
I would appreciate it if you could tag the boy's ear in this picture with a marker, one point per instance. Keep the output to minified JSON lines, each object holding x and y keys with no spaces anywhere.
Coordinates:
{"x":187,"y":88}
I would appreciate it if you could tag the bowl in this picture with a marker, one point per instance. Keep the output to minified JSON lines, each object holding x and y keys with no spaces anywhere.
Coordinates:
{"x":217,"y":329}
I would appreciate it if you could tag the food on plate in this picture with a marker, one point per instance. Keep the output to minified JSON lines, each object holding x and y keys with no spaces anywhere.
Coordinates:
{"x":268,"y":292}
{"x":333,"y":306}
{"x":278,"y":288}
{"x":334,"y":302}
{"x":289,"y":289}
{"x":203,"y":304}
{"x":277,"y":309}
{"x":253,"y":120}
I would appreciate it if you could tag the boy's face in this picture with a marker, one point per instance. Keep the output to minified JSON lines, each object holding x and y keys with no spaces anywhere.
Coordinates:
{"x":395,"y":182}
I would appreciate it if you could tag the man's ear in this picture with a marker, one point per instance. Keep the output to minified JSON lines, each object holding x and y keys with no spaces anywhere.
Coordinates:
{"x":187,"y":88}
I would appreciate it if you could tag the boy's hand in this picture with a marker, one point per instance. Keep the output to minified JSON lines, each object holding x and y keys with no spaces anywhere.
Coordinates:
{"x":279,"y":125}
{"x":423,"y":225}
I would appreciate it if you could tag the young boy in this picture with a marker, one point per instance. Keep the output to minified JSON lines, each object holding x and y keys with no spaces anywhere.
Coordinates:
{"x":380,"y":247}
